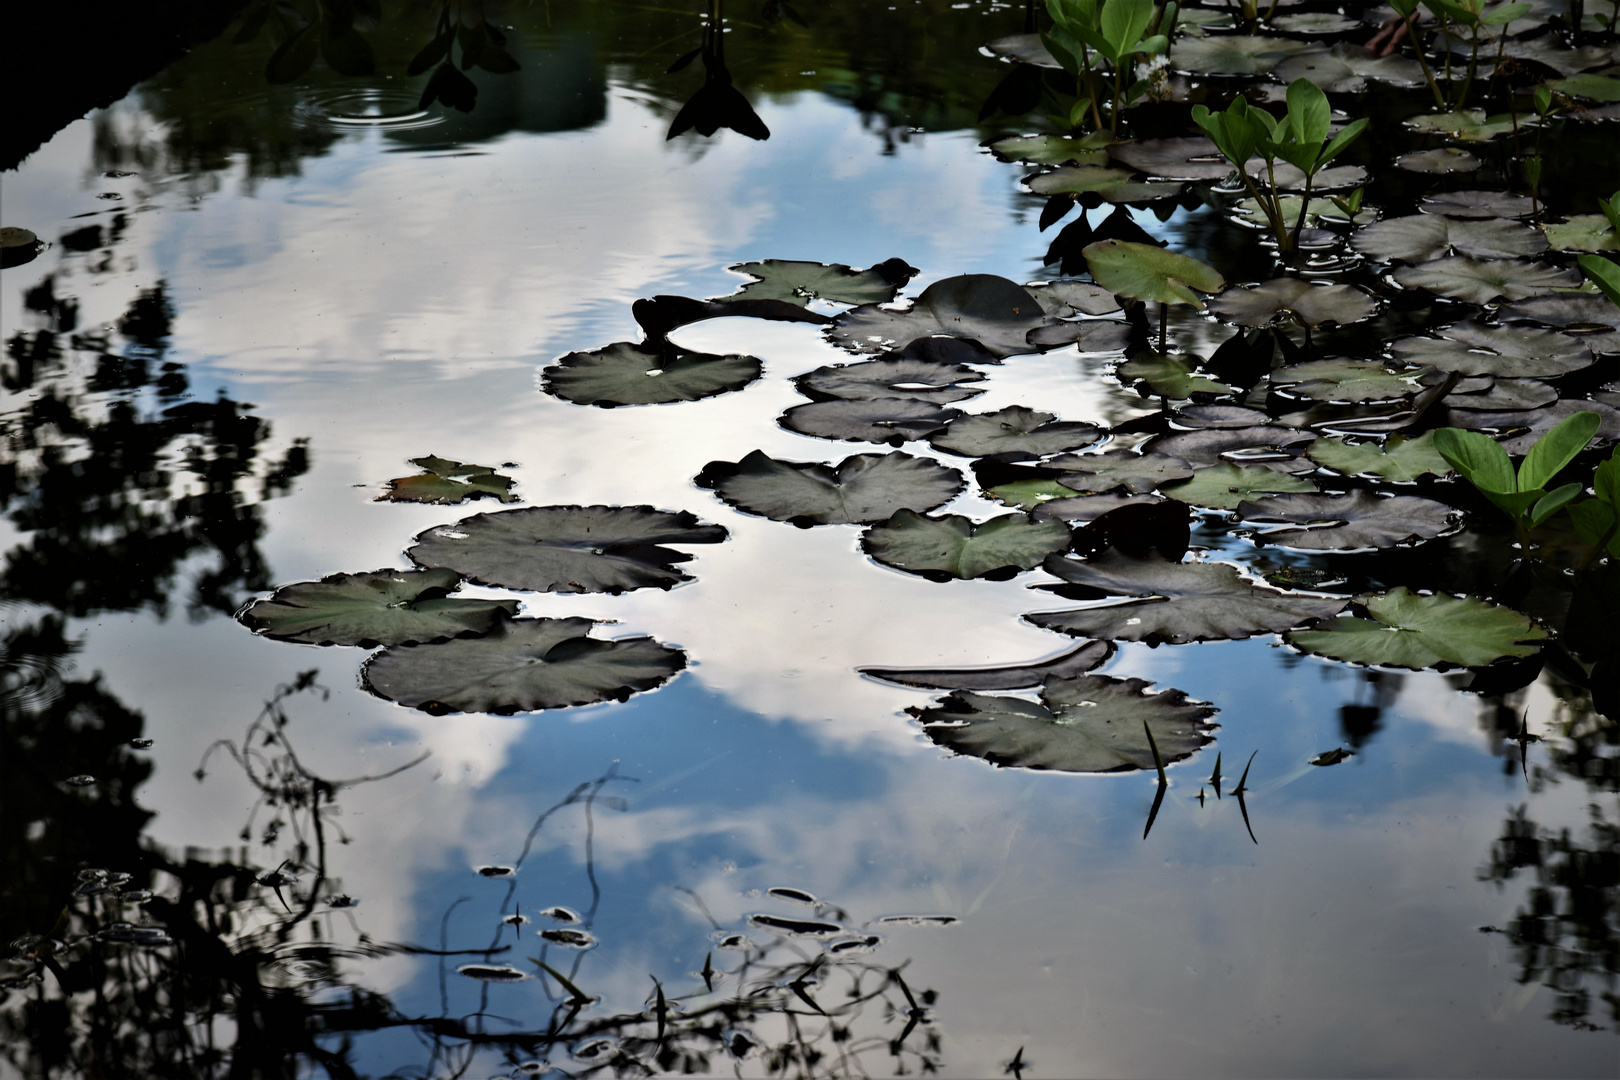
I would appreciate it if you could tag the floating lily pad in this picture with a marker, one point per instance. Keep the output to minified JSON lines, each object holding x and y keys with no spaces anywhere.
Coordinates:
{"x":1588,"y":85}
{"x":860,"y":489}
{"x":1319,"y":22}
{"x":1028,"y":494}
{"x":1169,"y":376}
{"x":1189,"y":158}
{"x":1579,"y":311}
{"x":1146,"y":272}
{"x":999,"y":314}
{"x":1400,"y":459}
{"x":801,"y":282}
{"x":1068,"y":665}
{"x":1233,"y":54}
{"x":1179,"y":602}
{"x":523,"y":666}
{"x":1345,"y":69}
{"x":1291,"y":178}
{"x":1411,"y":631}
{"x":1479,"y":204}
{"x":1527,"y":427}
{"x":913,"y":380}
{"x":1583,"y":232}
{"x":567,"y":549}
{"x":881,"y":420}
{"x":1480,"y":281}
{"x":628,"y":374}
{"x":1220,"y":416}
{"x":1345,"y":380}
{"x":1084,"y":508}
{"x":1211,"y":446}
{"x":1295,"y":300}
{"x":1514,"y":351}
{"x":1348,"y":522}
{"x":1421,"y":237}
{"x":1068,"y":298}
{"x":1125,"y":469}
{"x":443,"y":481}
{"x":1439,"y":161}
{"x":384,"y":607}
{"x":1223,"y":487}
{"x":1093,"y":724}
{"x":1048,"y":150}
{"x":1023,"y":49}
{"x":1506,"y":395}
{"x":1112,"y":185}
{"x":662,"y":314}
{"x":954,"y":547}
{"x":1465,"y":125}
{"x":1013,"y":430}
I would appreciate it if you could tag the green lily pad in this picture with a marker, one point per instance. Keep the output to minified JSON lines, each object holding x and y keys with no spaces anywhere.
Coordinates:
{"x":1583,"y":232}
{"x":1480,"y":281}
{"x":954,"y":547}
{"x":1317,"y":22}
{"x":1188,"y":158}
{"x":1470,"y":348}
{"x":1069,"y":298}
{"x":567,"y":549}
{"x":1013,"y":430}
{"x":860,"y":489}
{"x":1048,"y":150}
{"x":801,"y":282}
{"x":1223,"y":487}
{"x":1169,"y":376}
{"x":1028,"y":494}
{"x":1588,"y":85}
{"x":1358,"y":520}
{"x":1113,"y":469}
{"x":525,"y":665}
{"x":1411,"y":631}
{"x":1421,"y":237}
{"x":1146,"y":272}
{"x":1439,"y":161}
{"x":1068,"y":665}
{"x":1345,"y":69}
{"x":1211,"y":446}
{"x":1291,"y":299}
{"x":1233,"y":54}
{"x":1093,"y":724}
{"x":1466,"y":125}
{"x":1344,"y":380}
{"x":1176,"y":602}
{"x":1000,"y":315}
{"x":1400,"y":459}
{"x":443,"y":481}
{"x":384,"y":607}
{"x":1478,"y":204}
{"x":1112,"y":185}
{"x":913,"y":380}
{"x":880,"y":420}
{"x":628,"y":374}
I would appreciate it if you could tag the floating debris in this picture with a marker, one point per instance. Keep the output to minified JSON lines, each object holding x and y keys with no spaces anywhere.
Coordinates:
{"x":493,"y":973}
{"x":795,"y":927}
{"x":797,"y":896}
{"x":562,"y":914}
{"x":341,"y":900}
{"x":919,"y":920}
{"x":497,"y":871}
{"x":122,"y":933}
{"x":569,"y":939}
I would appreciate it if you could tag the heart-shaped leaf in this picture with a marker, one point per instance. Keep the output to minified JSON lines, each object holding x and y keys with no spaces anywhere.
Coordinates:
{"x":880,"y":420}
{"x":1290,"y":299}
{"x":1344,"y":380}
{"x":1358,"y":520}
{"x":860,"y":489}
{"x":912,"y":380}
{"x":1411,"y":631}
{"x":445,"y":482}
{"x":999,"y":314}
{"x":384,"y":607}
{"x":1125,"y":469}
{"x":1400,"y":459}
{"x":1422,"y":237}
{"x":801,"y":282}
{"x":1471,"y":348}
{"x":627,"y":374}
{"x":1480,"y":281}
{"x":954,"y":547}
{"x":1223,"y":487}
{"x":1145,"y":272}
{"x":1013,"y":430}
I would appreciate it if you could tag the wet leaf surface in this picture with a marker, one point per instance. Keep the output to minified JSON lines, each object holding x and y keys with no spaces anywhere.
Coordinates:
{"x":880,"y":420}
{"x":1293,"y":299}
{"x":860,"y":489}
{"x":1409,"y":630}
{"x":1346,"y":380}
{"x":1399,"y":459}
{"x":1169,"y":376}
{"x":801,"y":282}
{"x":1068,"y":665}
{"x":955,"y":547}
{"x":1223,"y":487}
{"x":384,"y":607}
{"x":1480,"y":281}
{"x":627,"y":374}
{"x":1183,"y":158}
{"x":1120,"y":469}
{"x":999,"y":314}
{"x":912,"y":380}
{"x":1422,"y":237}
{"x":1358,"y":520}
{"x":1013,"y":430}
{"x":1514,"y":351}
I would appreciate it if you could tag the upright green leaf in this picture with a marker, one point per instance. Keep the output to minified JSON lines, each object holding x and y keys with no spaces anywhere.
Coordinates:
{"x":1604,"y":273}
{"x":1480,"y":460}
{"x":1556,"y":449}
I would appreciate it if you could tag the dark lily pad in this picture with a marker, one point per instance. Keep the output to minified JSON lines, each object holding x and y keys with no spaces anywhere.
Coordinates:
{"x":1179,"y":602}
{"x":662,"y":314}
{"x":1220,"y":416}
{"x":1233,"y":54}
{"x":1294,"y":300}
{"x":525,"y":665}
{"x":1068,"y":665}
{"x":1583,"y":232}
{"x":1223,"y":487}
{"x":860,"y":489}
{"x":1358,"y":520}
{"x":1093,"y":724}
{"x":445,"y":482}
{"x":1111,"y":185}
{"x":1526,"y":427}
{"x":801,"y":282}
{"x":1088,"y":507}
{"x":1028,"y":494}
{"x":1345,"y":69}
{"x":881,"y":420}
{"x":1169,"y":376}
{"x":1512,"y":351}
{"x":1048,"y":150}
{"x":1068,"y":298}
{"x":1478,"y":204}
{"x":1320,"y":22}
{"x":1400,"y":459}
{"x":955,"y":547}
{"x":628,"y":374}
{"x":1013,"y":430}
{"x":1000,"y":315}
{"x":567,"y":549}
{"x":1120,"y":469}
{"x":1421,"y":237}
{"x":1344,"y":380}
{"x":912,"y":380}
{"x":1210,"y":446}
{"x":1190,"y":158}
{"x":1291,"y":178}
{"x":1580,"y":311}
{"x":1504,"y":395}
{"x":1412,"y":631}
{"x":1439,"y":161}
{"x":1480,"y":281}
{"x":384,"y":607}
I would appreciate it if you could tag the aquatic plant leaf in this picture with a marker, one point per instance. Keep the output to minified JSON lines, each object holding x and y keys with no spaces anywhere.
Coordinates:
{"x":1411,"y":631}
{"x":1505,"y":395}
{"x":627,"y":374}
{"x":1190,"y":158}
{"x":523,"y":666}
{"x":912,"y":380}
{"x":1220,"y":416}
{"x":1067,"y":298}
{"x":1588,"y":85}
{"x":1112,"y":185}
{"x":1013,"y":430}
{"x":1583,"y":232}
{"x":1572,"y":310}
{"x":1357,"y":520}
{"x":1223,"y":487}
{"x":383,"y":607}
{"x":1316,"y":22}
{"x":1422,"y":237}
{"x":1068,"y":665}
{"x":1028,"y":494}
{"x":1169,"y":376}
{"x":1529,"y":426}
{"x":1480,"y":281}
{"x":1345,"y":69}
{"x":1023,"y":49}
{"x":1438,"y":161}
{"x":1470,"y":348}
{"x":567,"y":549}
{"x":1089,"y":507}
{"x":1113,"y":469}
{"x":881,"y":420}
{"x":445,"y":482}
{"x":1343,"y":379}
{"x":1209,"y":446}
{"x":1178,"y":602}
{"x":1093,"y":724}
{"x":662,"y":314}
{"x":1000,"y":315}
{"x":1295,"y":300}
{"x":954,"y":547}
{"x":1146,"y":272}
{"x":800,"y":282}
{"x":1478,"y":204}
{"x":1292,"y":178}
{"x":1400,"y":459}
{"x":1233,"y":54}
{"x":862,"y":488}
{"x":1048,"y":150}
{"x":1464,"y":125}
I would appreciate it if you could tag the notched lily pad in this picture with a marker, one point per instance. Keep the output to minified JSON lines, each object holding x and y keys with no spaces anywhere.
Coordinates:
{"x":953,"y":546}
{"x":1408,"y":630}
{"x":1480,"y":281}
{"x":1422,"y":237}
{"x":999,"y":314}
{"x":1358,"y":520}
{"x":1169,"y":376}
{"x":800,"y":282}
{"x":1068,"y":665}
{"x":446,"y":482}
{"x":1293,"y":300}
{"x":567,"y":549}
{"x":1013,"y":430}
{"x":525,"y":665}
{"x":383,"y":607}
{"x":1140,"y":473}
{"x":911,"y":380}
{"x":627,"y":374}
{"x":1583,"y":232}
{"x":860,"y":489}
{"x":1345,"y":380}
{"x":1345,"y":69}
{"x":1190,"y":158}
{"x":1400,"y":458}
{"x":880,"y":420}
{"x":1471,"y":348}
{"x":1093,"y":724}
{"x":1223,"y":487}
{"x":1478,"y":204}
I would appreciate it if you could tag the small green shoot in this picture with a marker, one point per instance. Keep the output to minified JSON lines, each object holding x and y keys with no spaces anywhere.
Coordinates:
{"x":1523,"y":496}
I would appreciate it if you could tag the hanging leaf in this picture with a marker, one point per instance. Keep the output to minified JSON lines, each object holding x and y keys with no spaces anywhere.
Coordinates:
{"x":881,"y":420}
{"x":1358,"y":520}
{"x":1407,"y":630}
{"x":1400,"y":459}
{"x":1169,"y":376}
{"x":1480,"y":281}
{"x":999,"y":314}
{"x":1422,"y":237}
{"x":384,"y":607}
{"x":627,"y":374}
{"x":526,"y":665}
{"x":1290,"y":299}
{"x":911,"y":380}
{"x":1093,"y":724}
{"x":567,"y":549}
{"x":1223,"y":487}
{"x":954,"y":547}
{"x":1145,"y":272}
{"x":445,"y":482}
{"x":1013,"y":430}
{"x":801,"y":282}
{"x":860,"y":489}
{"x":1068,"y":665}
{"x":1470,"y":348}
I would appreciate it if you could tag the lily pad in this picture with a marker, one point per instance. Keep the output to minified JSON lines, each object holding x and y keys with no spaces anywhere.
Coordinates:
{"x":1068,"y":298}
{"x":1438,"y":161}
{"x":1085,"y":508}
{"x":1594,"y":87}
{"x":1029,"y":494}
{"x":1211,"y":446}
{"x":1478,"y":204}
{"x":1093,"y":724}
{"x":1506,"y":395}
{"x":1400,"y":459}
{"x":1023,"y":49}
{"x":1345,"y":69}
{"x":384,"y":607}
{"x":1421,"y":237}
{"x":1146,"y":272}
{"x":1178,"y":602}
{"x":1068,"y":665}
{"x":1318,"y":22}
{"x":1233,"y":54}
{"x":1348,"y":522}
{"x":1527,"y":427}
{"x":912,"y":380}
{"x":1048,"y":150}
{"x":1344,"y":380}
{"x":1583,"y":232}
{"x":664,"y":313}
{"x":1013,"y":430}
{"x":1112,"y":185}
{"x":1169,"y":376}
{"x":1224,"y":487}
{"x":525,"y":665}
{"x":801,"y":282}
{"x":1412,"y":631}
{"x":1188,"y":158}
{"x":1465,"y":125}
{"x":1513,"y":351}
{"x":954,"y":547}
{"x":999,"y":314}
{"x":880,"y":420}
{"x":567,"y":549}
{"x":860,"y":489}
{"x":1574,"y":311}
{"x":628,"y":374}
{"x":1125,"y":469}
{"x":445,"y":482}
{"x":1291,"y":178}
{"x":1294,"y":300}
{"x":1480,"y":281}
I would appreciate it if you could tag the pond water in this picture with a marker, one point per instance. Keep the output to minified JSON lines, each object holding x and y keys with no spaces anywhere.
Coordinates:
{"x":344,"y":885}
